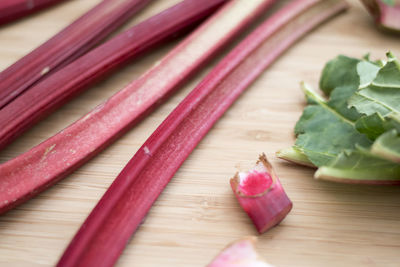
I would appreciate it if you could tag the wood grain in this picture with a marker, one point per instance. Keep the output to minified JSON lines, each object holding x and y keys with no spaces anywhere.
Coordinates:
{"x":197,"y":215}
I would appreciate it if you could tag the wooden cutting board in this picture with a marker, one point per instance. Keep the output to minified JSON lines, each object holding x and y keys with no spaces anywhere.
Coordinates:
{"x":197,"y":215}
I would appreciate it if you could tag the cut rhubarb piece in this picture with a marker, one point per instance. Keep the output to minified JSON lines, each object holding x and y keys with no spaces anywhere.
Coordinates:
{"x":385,"y":12}
{"x":11,"y":10}
{"x":107,"y":230}
{"x":49,"y":94}
{"x":35,"y":170}
{"x":261,"y":195}
{"x":69,"y":44}
{"x":241,"y":253}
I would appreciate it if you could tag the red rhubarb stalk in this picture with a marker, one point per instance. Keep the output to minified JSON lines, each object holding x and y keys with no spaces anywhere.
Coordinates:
{"x":35,"y":170}
{"x":385,"y":12}
{"x":261,"y":195}
{"x":241,"y":253}
{"x":49,"y":94}
{"x":11,"y":10}
{"x":69,"y":44}
{"x":107,"y":230}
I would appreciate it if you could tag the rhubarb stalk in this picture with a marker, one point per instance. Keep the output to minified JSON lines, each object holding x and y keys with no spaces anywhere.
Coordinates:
{"x":123,"y":207}
{"x":261,"y":195}
{"x":241,"y":253}
{"x":385,"y":12}
{"x":35,"y":170}
{"x":69,"y":44}
{"x":49,"y":94}
{"x":11,"y":10}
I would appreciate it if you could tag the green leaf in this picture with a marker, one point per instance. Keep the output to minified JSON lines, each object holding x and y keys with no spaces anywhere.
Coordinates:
{"x":323,"y":133}
{"x":359,"y":73}
{"x":340,"y":72}
{"x":388,"y":146}
{"x":360,"y":166}
{"x":338,"y":101}
{"x":388,"y":76}
{"x":367,"y":72}
{"x":383,"y":95}
{"x":389,"y":2}
{"x":373,"y":125}
{"x":352,"y":136}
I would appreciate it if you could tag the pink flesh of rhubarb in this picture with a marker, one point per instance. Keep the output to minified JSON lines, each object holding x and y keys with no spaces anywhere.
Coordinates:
{"x":254,"y":183}
{"x":34,"y":171}
{"x":51,"y":93}
{"x":262,"y":196}
{"x":11,"y":10}
{"x":69,"y":44}
{"x":239,"y":254}
{"x":123,"y":207}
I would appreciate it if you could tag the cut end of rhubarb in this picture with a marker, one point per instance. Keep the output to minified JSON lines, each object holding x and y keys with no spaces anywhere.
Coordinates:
{"x":386,"y":15}
{"x":261,"y":195}
{"x":241,"y":253}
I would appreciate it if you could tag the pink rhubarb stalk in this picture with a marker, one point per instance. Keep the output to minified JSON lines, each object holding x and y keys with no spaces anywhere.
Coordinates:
{"x":35,"y":170}
{"x":69,"y":44}
{"x":107,"y":230}
{"x":261,"y":195}
{"x":241,"y":253}
{"x":49,"y":94}
{"x":386,"y":15}
{"x":11,"y":10}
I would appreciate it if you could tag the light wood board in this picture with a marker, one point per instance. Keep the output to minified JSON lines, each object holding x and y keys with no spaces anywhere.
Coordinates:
{"x":197,"y":215}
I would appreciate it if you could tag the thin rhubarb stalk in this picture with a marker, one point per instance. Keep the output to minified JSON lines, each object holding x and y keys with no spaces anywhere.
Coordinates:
{"x":35,"y":170}
{"x":261,"y":195}
{"x":107,"y":230}
{"x":385,"y":12}
{"x":11,"y":10}
{"x":49,"y":94}
{"x":69,"y":44}
{"x":241,"y":253}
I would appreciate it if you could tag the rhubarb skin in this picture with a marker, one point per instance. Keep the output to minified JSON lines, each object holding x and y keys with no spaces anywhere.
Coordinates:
{"x":46,"y":96}
{"x":11,"y":10}
{"x":121,"y":210}
{"x":241,"y":253}
{"x":66,"y":46}
{"x":261,"y":195}
{"x":52,"y":160}
{"x":385,"y":15}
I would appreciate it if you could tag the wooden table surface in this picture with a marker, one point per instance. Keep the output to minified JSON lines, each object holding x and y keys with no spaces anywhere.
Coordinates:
{"x":197,"y":215}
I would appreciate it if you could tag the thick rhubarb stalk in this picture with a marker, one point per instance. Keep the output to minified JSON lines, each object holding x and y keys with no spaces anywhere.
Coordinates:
{"x":69,"y":44}
{"x":49,"y":94}
{"x":11,"y":10}
{"x":385,"y":12}
{"x":35,"y":170}
{"x":241,"y":253}
{"x":261,"y":195}
{"x":116,"y":217}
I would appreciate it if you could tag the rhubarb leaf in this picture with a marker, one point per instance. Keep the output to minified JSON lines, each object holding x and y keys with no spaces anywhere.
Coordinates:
{"x":383,"y":94}
{"x":388,"y":146}
{"x":360,"y":166}
{"x":340,"y":72}
{"x":353,"y":136}
{"x":367,"y":72}
{"x":389,"y":2}
{"x":323,"y":133}
{"x":374,"y":125}
{"x":342,"y":77}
